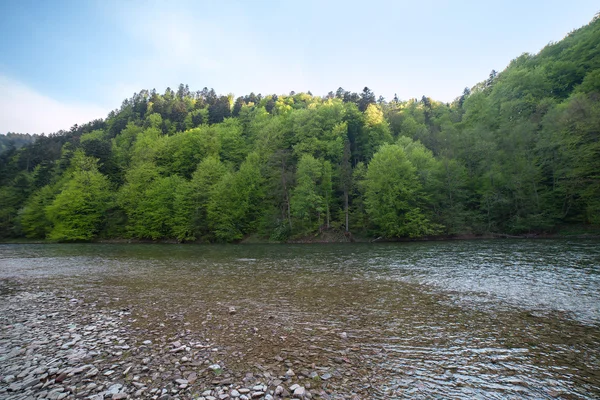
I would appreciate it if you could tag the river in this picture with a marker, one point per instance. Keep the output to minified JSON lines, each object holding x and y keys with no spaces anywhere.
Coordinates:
{"x":464,"y":319}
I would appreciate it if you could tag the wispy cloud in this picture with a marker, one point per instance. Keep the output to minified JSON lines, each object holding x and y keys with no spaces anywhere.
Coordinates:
{"x":184,"y":43}
{"x":25,"y":110}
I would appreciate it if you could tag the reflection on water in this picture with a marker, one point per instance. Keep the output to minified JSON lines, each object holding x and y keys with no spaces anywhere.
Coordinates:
{"x":481,"y":319}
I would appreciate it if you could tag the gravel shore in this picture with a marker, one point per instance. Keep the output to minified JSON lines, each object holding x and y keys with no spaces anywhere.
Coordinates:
{"x":57,"y":345}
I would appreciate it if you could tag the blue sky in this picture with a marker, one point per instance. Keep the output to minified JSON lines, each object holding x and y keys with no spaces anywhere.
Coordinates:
{"x":66,"y":62}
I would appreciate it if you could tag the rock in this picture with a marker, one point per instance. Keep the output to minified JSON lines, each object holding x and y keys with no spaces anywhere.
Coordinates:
{"x":178,"y":349}
{"x":29,"y":382}
{"x":268,"y":397}
{"x":344,"y":335}
{"x":290,"y":372}
{"x":119,"y":396}
{"x":294,"y":387}
{"x":326,"y":376}
{"x":214,"y":367}
{"x":109,"y":372}
{"x":60,"y":378}
{"x":300,"y":392}
{"x":279,"y":390}
{"x":256,"y":395}
{"x":181,"y":381}
{"x":232,"y":311}
{"x":14,"y":387}
{"x":191,"y":378}
{"x":234,"y":393}
{"x":8,"y":379}
{"x":147,"y":342}
{"x":114,"y":389}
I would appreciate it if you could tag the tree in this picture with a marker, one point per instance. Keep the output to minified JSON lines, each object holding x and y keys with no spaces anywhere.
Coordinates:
{"x":367,"y":97}
{"x":307,"y":201}
{"x":393,"y":195}
{"x":235,"y":201}
{"x":77,"y":212}
{"x":191,"y":201}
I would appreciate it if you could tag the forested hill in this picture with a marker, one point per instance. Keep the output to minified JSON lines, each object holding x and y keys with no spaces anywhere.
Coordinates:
{"x":517,"y":153}
{"x":16,"y":140}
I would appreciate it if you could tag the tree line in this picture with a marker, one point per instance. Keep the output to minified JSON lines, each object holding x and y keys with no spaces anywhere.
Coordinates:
{"x":519,"y":152}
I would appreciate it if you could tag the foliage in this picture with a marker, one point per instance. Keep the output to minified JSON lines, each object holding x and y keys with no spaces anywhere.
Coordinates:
{"x":516,"y":153}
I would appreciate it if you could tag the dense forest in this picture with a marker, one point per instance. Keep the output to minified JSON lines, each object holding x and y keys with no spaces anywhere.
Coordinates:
{"x":516,"y":153}
{"x":16,"y":140}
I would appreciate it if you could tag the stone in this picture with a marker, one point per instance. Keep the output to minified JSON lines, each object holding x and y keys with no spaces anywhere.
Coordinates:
{"x":114,"y":389}
{"x":29,"y":382}
{"x":60,"y":378}
{"x":191,"y":378}
{"x":232,"y":311}
{"x":234,"y":393}
{"x":299,"y":392}
{"x":119,"y":396}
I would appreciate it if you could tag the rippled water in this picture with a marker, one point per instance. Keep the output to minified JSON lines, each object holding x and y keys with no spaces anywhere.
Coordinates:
{"x":479,"y":319}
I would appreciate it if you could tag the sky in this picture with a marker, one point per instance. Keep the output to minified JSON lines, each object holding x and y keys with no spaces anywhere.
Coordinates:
{"x":67,"y":62}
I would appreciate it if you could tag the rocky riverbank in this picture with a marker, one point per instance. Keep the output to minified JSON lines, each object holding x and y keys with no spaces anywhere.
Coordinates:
{"x":58,"y":345}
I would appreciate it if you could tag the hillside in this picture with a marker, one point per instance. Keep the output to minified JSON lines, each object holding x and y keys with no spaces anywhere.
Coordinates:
{"x":516,"y":153}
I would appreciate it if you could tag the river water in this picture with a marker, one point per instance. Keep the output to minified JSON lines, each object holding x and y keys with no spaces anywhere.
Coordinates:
{"x":468,"y":319}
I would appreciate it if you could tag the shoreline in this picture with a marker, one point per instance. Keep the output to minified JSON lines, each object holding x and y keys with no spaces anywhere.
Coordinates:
{"x":317,"y":240}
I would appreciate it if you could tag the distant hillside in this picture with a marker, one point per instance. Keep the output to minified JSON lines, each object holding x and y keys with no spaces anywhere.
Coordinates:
{"x":16,"y":140}
{"x":517,"y":153}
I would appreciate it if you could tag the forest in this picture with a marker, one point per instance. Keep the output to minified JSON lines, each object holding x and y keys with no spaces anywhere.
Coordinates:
{"x":518,"y":153}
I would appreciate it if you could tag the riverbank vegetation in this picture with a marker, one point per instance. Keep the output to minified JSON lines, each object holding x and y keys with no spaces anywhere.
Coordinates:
{"x":517,"y":153}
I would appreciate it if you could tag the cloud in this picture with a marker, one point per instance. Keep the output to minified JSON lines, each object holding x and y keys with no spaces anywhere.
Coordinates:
{"x":185,"y":43}
{"x":24,"y":110}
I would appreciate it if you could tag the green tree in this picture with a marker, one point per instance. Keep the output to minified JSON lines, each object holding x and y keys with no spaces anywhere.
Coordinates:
{"x":77,"y":212}
{"x":393,"y":195}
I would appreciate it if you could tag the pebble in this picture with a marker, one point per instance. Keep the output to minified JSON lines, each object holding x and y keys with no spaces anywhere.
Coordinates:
{"x":299,"y":392}
{"x":82,"y":350}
